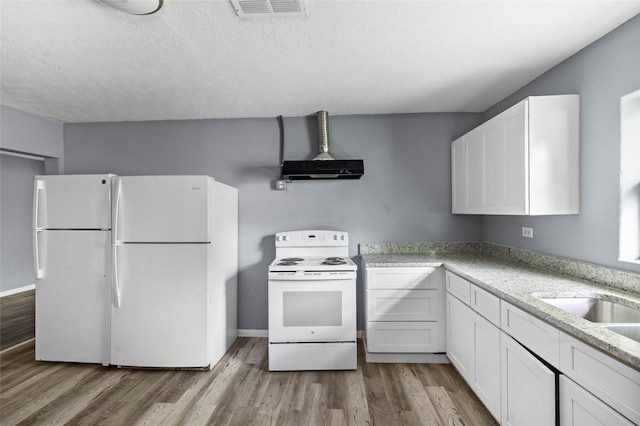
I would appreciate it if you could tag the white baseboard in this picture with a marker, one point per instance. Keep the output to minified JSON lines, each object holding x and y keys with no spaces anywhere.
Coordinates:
{"x":265,"y":333}
{"x":253,"y":333}
{"x":17,"y":290}
{"x":17,"y":345}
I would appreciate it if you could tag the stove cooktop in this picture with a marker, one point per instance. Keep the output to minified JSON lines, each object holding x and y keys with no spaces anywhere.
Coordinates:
{"x":330,"y":263}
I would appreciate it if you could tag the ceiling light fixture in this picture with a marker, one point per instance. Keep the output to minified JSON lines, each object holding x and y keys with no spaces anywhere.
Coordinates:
{"x":134,"y":7}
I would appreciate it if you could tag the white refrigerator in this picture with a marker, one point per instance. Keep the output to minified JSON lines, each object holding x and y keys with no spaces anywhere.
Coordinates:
{"x":71,"y":242}
{"x":174,"y":271}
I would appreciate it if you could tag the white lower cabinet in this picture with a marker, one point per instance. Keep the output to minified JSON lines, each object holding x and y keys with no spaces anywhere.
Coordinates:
{"x":608,"y":380}
{"x":460,"y":340}
{"x":473,"y":347}
{"x":487,"y":365}
{"x":528,"y":387}
{"x":580,"y":408}
{"x":399,"y":336}
{"x":527,"y":372}
{"x":403,"y":305}
{"x":405,"y":315}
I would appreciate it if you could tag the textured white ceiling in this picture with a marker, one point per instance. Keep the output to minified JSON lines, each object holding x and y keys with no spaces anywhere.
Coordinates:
{"x":80,"y":61}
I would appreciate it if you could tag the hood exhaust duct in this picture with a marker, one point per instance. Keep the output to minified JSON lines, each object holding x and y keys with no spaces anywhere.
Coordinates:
{"x":323,"y":136}
{"x":323,"y":166}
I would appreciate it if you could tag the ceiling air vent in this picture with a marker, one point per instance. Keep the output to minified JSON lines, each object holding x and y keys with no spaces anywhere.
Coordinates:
{"x":266,"y":8}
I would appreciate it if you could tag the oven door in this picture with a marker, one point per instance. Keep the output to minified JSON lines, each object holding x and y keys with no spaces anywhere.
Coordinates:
{"x":312,"y":310}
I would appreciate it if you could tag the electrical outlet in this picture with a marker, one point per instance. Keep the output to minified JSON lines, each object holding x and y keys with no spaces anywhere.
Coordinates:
{"x":527,"y":232}
{"x":281,"y":184}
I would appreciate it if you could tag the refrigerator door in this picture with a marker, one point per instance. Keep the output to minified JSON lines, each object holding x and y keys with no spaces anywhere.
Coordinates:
{"x":72,"y":296}
{"x":72,"y":202}
{"x":161,"y":209}
{"x":160,"y":316}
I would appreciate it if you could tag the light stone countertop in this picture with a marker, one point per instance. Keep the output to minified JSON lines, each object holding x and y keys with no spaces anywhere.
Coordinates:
{"x":517,"y":283}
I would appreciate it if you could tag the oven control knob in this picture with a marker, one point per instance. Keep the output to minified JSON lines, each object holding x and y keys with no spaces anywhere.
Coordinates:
{"x":335,"y":237}
{"x":285,"y":238}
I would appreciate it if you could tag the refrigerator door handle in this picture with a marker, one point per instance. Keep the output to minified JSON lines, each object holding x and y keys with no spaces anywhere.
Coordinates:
{"x":40,"y":273}
{"x":116,"y":281}
{"x":38,"y":187}
{"x":116,"y":211}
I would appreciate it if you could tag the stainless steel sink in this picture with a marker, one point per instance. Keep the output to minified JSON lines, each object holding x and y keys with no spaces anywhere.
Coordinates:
{"x":632,"y":331}
{"x":595,"y":309}
{"x":609,"y":314}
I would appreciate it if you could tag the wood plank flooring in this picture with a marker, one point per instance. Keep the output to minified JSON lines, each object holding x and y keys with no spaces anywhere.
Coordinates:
{"x":238,"y":391}
{"x":17,"y":318}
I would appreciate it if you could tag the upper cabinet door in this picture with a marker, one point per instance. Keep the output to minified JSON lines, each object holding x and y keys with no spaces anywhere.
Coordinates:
{"x":72,"y":202}
{"x":494,"y":170}
{"x":554,"y":164}
{"x":161,"y":209}
{"x":515,"y":151}
{"x":458,"y":176}
{"x":467,"y":172}
{"x":475,"y":170}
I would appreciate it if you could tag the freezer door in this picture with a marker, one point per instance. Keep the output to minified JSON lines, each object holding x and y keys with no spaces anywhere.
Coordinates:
{"x":72,"y":202}
{"x":162,"y":318}
{"x":72,"y":297}
{"x":160,"y":209}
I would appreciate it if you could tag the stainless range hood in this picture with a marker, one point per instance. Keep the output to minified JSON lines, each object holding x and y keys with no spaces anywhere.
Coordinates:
{"x":323,"y":166}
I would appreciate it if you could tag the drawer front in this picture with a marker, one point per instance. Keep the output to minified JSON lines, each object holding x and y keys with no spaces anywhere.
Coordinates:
{"x":579,"y":407}
{"x":538,"y":336}
{"x":401,"y":278}
{"x":486,"y":304}
{"x":403,"y":305}
{"x":412,"y":337}
{"x":613,"y":382}
{"x":459,"y":287}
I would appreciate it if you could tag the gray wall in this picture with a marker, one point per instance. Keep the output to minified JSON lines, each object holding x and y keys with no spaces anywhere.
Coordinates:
{"x":24,"y":133}
{"x":601,"y":73}
{"x":29,"y":134}
{"x":16,"y":250}
{"x":405,"y":194}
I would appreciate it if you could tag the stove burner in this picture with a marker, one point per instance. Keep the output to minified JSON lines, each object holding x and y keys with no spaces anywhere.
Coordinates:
{"x":334,"y":261}
{"x":286,"y":263}
{"x":292,"y":259}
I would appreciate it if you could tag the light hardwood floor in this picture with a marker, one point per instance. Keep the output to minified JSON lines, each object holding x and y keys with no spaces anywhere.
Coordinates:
{"x":17,"y":318}
{"x":238,"y":391}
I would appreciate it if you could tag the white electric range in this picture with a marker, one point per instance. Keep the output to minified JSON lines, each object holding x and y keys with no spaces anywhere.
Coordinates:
{"x":312,"y":302}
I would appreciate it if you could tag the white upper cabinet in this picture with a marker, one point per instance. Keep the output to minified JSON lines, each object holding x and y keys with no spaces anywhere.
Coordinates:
{"x":458,"y":176}
{"x":524,"y":161}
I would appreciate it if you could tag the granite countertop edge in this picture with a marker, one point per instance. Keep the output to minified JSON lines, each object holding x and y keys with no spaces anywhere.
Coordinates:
{"x":518,"y":284}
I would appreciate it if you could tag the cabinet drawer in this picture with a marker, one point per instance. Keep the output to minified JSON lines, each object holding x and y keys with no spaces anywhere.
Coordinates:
{"x":486,"y":304}
{"x":398,"y":337}
{"x":459,"y":287}
{"x":538,"y":336}
{"x":403,"y":305}
{"x":578,"y":407}
{"x":401,"y":278}
{"x":613,"y":382}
